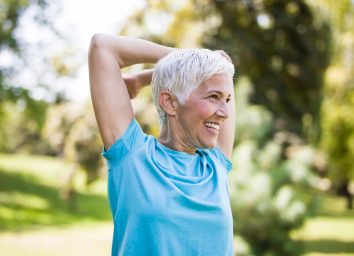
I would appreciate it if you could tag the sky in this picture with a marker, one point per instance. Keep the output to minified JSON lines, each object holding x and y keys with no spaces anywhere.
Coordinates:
{"x":86,"y":17}
{"x":76,"y":21}
{"x":90,"y":16}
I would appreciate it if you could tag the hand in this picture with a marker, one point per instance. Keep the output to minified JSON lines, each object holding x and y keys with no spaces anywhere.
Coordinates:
{"x":135,"y":82}
{"x":224,"y":54}
{"x":133,"y":85}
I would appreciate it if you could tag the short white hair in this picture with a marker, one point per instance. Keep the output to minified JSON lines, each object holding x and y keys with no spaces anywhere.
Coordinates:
{"x":182,"y":71}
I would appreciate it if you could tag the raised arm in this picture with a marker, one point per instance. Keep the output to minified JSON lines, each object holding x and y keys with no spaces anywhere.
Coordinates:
{"x":227,"y":134}
{"x":110,"y":96}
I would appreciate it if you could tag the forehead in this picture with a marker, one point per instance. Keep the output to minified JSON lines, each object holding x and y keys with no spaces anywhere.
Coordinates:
{"x":219,"y":82}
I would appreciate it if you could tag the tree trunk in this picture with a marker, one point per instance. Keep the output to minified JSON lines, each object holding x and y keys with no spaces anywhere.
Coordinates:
{"x":344,"y":191}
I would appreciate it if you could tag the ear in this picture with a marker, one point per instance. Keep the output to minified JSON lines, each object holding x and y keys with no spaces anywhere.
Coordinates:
{"x":168,"y":103}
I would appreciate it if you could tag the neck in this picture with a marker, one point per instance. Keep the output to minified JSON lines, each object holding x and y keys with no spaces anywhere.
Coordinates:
{"x":172,"y":139}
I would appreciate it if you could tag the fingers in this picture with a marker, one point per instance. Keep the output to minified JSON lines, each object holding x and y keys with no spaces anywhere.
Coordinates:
{"x":224,"y":54}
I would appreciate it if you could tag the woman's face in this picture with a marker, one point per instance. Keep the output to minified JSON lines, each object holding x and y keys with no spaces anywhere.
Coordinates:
{"x":200,"y":119}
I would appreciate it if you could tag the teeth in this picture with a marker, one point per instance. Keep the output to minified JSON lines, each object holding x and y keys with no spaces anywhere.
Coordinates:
{"x":212,"y":125}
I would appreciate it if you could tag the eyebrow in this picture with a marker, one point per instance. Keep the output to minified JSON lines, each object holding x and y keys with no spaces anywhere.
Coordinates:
{"x":218,"y":92}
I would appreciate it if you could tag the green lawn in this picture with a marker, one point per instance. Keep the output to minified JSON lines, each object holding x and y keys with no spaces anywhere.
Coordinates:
{"x":34,"y":220}
{"x":331,"y":230}
{"x":29,"y":195}
{"x":328,"y":236}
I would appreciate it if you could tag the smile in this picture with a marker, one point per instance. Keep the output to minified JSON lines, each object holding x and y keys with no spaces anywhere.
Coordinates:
{"x":212,"y":125}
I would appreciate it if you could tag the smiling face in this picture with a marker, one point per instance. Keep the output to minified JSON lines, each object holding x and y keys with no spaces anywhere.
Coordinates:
{"x":199,"y":120}
{"x":182,"y":71}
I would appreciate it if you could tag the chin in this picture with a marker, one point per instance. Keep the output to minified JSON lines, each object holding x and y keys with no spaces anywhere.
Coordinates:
{"x":209,"y":145}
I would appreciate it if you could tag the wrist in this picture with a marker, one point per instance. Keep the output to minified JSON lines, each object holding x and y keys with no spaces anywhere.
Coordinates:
{"x":144,"y":77}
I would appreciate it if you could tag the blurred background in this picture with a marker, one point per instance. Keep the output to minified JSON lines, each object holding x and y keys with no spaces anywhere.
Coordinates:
{"x":292,"y":184}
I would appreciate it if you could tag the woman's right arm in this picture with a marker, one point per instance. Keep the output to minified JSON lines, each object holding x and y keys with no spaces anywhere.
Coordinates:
{"x":110,"y":98}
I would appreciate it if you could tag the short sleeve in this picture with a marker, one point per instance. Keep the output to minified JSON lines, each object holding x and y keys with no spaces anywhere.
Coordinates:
{"x":124,"y":145}
{"x":222,"y":158}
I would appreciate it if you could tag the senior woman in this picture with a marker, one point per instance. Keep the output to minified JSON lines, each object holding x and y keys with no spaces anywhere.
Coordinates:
{"x":169,"y":195}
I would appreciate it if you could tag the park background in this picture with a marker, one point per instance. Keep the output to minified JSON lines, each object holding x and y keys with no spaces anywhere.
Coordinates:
{"x":292,"y":184}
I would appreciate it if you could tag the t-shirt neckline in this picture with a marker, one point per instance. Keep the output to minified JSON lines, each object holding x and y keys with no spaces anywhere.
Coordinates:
{"x":177,"y":153}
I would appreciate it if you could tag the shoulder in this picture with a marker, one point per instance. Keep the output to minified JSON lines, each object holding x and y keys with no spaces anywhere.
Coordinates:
{"x":132,"y":139}
{"x":217,"y":155}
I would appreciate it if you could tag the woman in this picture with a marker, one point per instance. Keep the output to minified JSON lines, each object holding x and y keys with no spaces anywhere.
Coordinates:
{"x":169,"y":195}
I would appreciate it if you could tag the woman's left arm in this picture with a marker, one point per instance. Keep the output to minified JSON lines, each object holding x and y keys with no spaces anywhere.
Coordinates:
{"x":227,"y":130}
{"x":136,"y":81}
{"x":227,"y":133}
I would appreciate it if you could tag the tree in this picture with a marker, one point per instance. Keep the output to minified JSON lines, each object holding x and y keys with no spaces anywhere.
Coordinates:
{"x":337,"y":110}
{"x":279,"y":44}
{"x":10,"y":45}
{"x":71,"y":132}
{"x":285,"y":51}
{"x":265,"y":205}
{"x":27,"y":69}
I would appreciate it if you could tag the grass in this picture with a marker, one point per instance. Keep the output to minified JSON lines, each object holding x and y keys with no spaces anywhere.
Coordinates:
{"x":330,"y":231}
{"x":30,"y":198}
{"x":35,"y":220}
{"x":328,"y":236}
{"x":84,"y":239}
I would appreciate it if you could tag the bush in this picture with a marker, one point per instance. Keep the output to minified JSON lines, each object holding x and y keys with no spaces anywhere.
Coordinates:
{"x":20,"y":132}
{"x":72,"y":132}
{"x":83,"y":146}
{"x":266,"y":168}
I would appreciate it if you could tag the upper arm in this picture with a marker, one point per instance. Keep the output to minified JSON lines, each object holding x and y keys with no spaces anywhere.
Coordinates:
{"x":227,"y":133}
{"x":110,"y":98}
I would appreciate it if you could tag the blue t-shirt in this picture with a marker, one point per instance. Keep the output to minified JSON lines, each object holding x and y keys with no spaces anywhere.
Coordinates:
{"x":167,"y":202}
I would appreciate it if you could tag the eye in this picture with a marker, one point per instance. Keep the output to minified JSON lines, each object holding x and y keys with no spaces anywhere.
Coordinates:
{"x":228,"y":100}
{"x":214,"y":96}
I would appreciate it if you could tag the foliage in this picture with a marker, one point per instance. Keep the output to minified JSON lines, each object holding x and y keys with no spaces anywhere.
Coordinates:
{"x":337,"y":110}
{"x":19,"y":132}
{"x":60,"y":119}
{"x":27,"y":68}
{"x":72,"y":132}
{"x":10,"y":14}
{"x":9,"y":19}
{"x":338,"y":137}
{"x":83,"y":146}
{"x":279,"y":45}
{"x":284,"y":50}
{"x":22,"y":109}
{"x":265,"y":205}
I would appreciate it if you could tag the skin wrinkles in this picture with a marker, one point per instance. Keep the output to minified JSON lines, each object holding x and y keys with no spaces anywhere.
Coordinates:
{"x":206,"y":106}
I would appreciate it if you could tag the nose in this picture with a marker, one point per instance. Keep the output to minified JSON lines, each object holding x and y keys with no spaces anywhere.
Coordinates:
{"x":222,"y":110}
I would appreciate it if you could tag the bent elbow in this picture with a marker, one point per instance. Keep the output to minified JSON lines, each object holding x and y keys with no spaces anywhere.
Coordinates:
{"x":104,"y":43}
{"x":98,"y":40}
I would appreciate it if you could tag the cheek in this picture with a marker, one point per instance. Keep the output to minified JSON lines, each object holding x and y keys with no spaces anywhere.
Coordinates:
{"x":198,"y":111}
{"x":204,"y":110}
